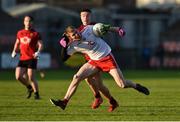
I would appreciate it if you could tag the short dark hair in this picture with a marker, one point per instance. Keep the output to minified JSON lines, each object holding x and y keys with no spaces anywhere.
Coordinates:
{"x":69,"y":29}
{"x":85,"y":10}
{"x":31,"y":18}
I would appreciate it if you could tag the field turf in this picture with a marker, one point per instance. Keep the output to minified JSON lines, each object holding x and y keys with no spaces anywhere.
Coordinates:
{"x":163,"y":104}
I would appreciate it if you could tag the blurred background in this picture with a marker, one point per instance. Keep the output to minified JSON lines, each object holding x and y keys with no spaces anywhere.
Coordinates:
{"x":152,"y":28}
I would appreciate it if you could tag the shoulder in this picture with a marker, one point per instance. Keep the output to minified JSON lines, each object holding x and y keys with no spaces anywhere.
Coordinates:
{"x":87,"y":29}
{"x":81,"y":27}
{"x":36,"y":33}
{"x":20,"y":31}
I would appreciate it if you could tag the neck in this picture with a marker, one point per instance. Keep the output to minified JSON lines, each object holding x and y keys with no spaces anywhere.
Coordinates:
{"x":27,"y":28}
{"x":86,"y":23}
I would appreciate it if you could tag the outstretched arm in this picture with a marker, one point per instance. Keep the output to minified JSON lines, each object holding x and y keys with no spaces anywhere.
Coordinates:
{"x":119,"y":30}
{"x":104,"y":28}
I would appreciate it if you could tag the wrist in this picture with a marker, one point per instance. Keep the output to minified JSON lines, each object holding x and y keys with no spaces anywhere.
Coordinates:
{"x":13,"y":54}
{"x":38,"y":51}
{"x":121,"y":31}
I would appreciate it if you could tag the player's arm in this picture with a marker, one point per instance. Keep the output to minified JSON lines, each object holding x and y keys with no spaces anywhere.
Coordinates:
{"x":70,"y":50}
{"x":119,"y":30}
{"x":40,"y":45}
{"x":64,"y":45}
{"x":64,"y":55}
{"x":15,"y":49}
{"x":104,"y":28}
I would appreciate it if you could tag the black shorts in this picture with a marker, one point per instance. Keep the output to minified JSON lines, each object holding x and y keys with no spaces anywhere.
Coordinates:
{"x":32,"y":63}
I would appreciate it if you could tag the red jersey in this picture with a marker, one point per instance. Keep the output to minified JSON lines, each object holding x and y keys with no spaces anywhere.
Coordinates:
{"x":81,"y":27}
{"x":28,"y":43}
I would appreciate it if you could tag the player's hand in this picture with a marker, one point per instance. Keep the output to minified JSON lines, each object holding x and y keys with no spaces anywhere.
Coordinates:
{"x":105,"y":28}
{"x":13,"y":54}
{"x":37,"y":55}
{"x":121,"y":32}
{"x":62,"y":42}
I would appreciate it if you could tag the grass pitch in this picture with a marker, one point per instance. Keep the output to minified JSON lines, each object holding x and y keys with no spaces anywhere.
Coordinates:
{"x":163,"y":104}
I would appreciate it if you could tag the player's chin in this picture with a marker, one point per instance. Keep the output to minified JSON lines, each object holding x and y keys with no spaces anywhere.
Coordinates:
{"x":77,"y":38}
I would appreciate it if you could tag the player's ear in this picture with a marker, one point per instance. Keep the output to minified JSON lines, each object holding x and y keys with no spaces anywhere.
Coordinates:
{"x":66,"y":37}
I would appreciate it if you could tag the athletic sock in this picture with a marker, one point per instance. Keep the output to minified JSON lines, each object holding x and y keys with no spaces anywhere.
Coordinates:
{"x":112,"y":101}
{"x":97,"y":95}
{"x":65,"y":101}
{"x":36,"y":93}
{"x":29,"y":87}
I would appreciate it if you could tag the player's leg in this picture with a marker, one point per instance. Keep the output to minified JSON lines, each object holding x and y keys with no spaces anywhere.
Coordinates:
{"x":102,"y":88}
{"x":105,"y":91}
{"x":83,"y":73}
{"x":30,"y":89}
{"x":34,"y":82}
{"x":121,"y":82}
{"x":20,"y":74}
{"x":92,"y":82}
{"x":118,"y":77}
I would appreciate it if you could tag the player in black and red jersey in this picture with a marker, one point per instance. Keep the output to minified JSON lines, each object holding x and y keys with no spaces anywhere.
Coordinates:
{"x":29,"y":44}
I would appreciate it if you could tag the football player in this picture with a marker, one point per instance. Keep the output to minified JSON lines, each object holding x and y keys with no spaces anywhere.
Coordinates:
{"x":101,"y":59}
{"x":30,"y":45}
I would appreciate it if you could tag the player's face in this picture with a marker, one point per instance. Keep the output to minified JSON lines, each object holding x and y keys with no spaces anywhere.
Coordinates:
{"x":74,"y":35}
{"x":27,"y":22}
{"x":85,"y":18}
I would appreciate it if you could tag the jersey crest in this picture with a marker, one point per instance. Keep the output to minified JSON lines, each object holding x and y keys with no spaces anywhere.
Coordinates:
{"x":25,"y":40}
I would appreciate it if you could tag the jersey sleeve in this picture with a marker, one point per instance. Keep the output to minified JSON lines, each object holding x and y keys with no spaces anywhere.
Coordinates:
{"x":18,"y":35}
{"x":71,"y":50}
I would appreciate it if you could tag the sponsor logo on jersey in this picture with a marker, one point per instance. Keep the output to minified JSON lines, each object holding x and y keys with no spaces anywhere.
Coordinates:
{"x":25,"y":40}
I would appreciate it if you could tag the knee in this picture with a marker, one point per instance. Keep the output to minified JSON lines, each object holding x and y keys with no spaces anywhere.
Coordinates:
{"x":18,"y":77}
{"x":76,"y":80}
{"x":31,"y":79}
{"x":76,"y":77}
{"x":90,"y":80}
{"x":122,"y":85}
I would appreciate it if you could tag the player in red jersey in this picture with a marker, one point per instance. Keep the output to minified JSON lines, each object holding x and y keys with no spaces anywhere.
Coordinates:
{"x":85,"y":16}
{"x":29,"y":44}
{"x":98,"y":86}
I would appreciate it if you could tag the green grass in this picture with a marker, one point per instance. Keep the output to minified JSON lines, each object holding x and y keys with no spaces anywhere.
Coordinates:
{"x":162,"y":105}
